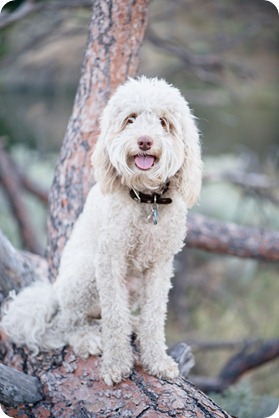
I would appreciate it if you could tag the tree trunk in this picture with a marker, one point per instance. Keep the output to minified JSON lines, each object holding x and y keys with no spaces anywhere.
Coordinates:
{"x":115,"y":37}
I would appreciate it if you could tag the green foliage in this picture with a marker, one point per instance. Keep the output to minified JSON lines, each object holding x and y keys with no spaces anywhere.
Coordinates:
{"x":240,"y":401}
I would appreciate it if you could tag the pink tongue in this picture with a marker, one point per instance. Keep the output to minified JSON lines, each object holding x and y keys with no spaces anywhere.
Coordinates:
{"x":144,"y":162}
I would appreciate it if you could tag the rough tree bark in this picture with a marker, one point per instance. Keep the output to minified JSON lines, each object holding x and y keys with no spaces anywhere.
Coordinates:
{"x":70,"y":388}
{"x":229,"y":238}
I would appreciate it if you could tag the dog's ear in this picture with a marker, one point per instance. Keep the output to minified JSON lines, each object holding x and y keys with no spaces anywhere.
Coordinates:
{"x":189,"y":177}
{"x":104,"y":173}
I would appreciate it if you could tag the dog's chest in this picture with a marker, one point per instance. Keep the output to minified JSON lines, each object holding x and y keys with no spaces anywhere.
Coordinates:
{"x":149,"y":243}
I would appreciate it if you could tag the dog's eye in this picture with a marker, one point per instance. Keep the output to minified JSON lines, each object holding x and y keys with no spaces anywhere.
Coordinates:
{"x":131,"y":118}
{"x":164,"y":123}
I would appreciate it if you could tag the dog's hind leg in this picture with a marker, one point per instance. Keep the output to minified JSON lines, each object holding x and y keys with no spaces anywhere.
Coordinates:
{"x":78,"y":301}
{"x":86,"y":340}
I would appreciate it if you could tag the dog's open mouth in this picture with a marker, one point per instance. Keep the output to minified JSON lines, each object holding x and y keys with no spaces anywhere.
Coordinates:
{"x":144,"y":161}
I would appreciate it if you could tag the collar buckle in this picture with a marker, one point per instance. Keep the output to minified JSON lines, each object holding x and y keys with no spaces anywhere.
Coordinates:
{"x":135,"y":195}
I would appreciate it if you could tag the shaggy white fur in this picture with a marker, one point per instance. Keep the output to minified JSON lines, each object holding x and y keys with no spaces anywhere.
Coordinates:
{"x":118,"y":260}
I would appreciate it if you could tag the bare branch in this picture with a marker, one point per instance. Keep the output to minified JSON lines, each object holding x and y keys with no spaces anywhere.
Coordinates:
{"x":32,"y":187}
{"x":208,"y":384}
{"x":12,"y":186}
{"x":229,"y":238}
{"x":205,"y":66}
{"x":222,"y":345}
{"x":30,"y":7}
{"x":182,"y":354}
{"x":25,"y":181}
{"x":18,"y":388}
{"x":24,"y":10}
{"x":189,"y":58}
{"x":250,"y":357}
{"x":18,"y":269}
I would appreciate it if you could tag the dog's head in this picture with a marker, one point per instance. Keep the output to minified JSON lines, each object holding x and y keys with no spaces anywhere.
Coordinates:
{"x":148,"y":136}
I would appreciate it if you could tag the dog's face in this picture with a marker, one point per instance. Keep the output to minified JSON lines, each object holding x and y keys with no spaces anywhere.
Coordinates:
{"x":144,"y":146}
{"x":148,"y":136}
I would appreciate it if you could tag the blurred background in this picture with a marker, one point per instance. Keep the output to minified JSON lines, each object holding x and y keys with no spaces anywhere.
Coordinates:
{"x":223,"y":55}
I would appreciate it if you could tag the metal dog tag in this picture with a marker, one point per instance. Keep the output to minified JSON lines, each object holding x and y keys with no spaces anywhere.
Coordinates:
{"x":154,"y":215}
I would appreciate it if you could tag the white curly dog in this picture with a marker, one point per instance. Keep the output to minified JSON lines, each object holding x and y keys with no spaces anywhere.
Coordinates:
{"x":118,"y":262}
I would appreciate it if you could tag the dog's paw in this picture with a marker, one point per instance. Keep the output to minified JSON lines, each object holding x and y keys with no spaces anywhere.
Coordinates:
{"x":114,"y":371}
{"x":163,"y":367}
{"x":86,"y":344}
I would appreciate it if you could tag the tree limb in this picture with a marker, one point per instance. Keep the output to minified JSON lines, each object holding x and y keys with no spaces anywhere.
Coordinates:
{"x":29,"y":7}
{"x":222,"y":345}
{"x":250,"y":357}
{"x":205,"y":66}
{"x":232,"y":239}
{"x":12,"y":186}
{"x":74,"y":389}
{"x":25,"y":181}
{"x":18,"y":388}
{"x":34,"y":188}
{"x":17,"y":268}
{"x":25,"y":9}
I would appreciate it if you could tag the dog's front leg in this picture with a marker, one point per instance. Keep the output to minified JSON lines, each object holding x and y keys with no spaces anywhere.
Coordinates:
{"x":152,"y":323}
{"x":117,"y":361}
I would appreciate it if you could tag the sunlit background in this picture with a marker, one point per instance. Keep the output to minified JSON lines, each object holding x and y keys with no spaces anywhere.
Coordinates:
{"x":223,"y":55}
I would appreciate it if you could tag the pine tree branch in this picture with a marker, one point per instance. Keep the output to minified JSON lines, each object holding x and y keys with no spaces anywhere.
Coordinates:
{"x":232,"y":239}
{"x":18,"y":388}
{"x":30,"y":7}
{"x":251,"y":356}
{"x":11,"y":183}
{"x":18,"y":268}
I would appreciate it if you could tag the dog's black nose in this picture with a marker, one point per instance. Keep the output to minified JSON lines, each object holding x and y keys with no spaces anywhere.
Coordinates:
{"x":145,"y":143}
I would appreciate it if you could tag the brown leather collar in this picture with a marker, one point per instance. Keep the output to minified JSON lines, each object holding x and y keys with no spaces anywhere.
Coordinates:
{"x":155,"y":198}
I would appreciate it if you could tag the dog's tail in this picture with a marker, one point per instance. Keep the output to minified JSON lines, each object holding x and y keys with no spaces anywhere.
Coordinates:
{"x":30,"y":318}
